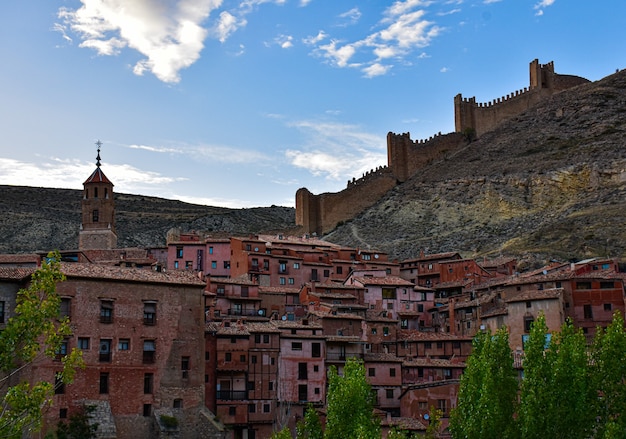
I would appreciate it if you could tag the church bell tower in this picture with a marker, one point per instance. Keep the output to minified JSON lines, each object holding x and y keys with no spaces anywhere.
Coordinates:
{"x":97,"y":229}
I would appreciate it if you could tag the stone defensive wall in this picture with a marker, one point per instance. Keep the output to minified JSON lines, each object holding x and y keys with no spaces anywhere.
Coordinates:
{"x":405,"y":157}
{"x":321,"y":213}
{"x":484,"y":117}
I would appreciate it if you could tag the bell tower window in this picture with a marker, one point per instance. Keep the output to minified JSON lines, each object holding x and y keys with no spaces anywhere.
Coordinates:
{"x":95,"y":215}
{"x":95,"y":192}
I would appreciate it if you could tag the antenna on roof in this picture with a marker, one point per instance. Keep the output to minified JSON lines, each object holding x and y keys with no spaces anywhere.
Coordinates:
{"x":99,"y":143}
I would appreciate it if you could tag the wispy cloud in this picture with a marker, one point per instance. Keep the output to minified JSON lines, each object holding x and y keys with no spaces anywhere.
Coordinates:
{"x":539,"y":7}
{"x":404,"y":29}
{"x":350,"y":17}
{"x":337,"y":150}
{"x":208,"y":153}
{"x":70,"y":174}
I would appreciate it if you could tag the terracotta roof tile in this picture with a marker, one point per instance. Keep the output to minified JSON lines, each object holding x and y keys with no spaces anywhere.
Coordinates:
{"x":15,"y":273}
{"x":98,"y":271}
{"x":98,"y":177}
{"x":387,"y":280}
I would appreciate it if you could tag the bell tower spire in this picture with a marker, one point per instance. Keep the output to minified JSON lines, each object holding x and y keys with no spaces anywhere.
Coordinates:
{"x":97,"y":229}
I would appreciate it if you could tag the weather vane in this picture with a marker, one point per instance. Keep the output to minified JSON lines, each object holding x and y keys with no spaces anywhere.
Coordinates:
{"x":99,"y":143}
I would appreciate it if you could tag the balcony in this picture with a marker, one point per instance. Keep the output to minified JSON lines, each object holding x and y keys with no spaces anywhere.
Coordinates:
{"x":232,"y":395}
{"x":341,"y":356}
{"x":243,"y":312}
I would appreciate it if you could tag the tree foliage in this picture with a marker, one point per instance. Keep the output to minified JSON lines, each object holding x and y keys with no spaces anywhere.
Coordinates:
{"x":281,"y":434}
{"x":350,"y":404}
{"x":78,"y":426}
{"x":569,"y":389}
{"x":310,"y":427}
{"x":33,"y":334}
{"x":488,"y":390}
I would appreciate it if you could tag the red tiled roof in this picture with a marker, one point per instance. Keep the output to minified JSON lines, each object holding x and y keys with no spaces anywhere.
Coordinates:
{"x":98,"y":271}
{"x":552,"y":293}
{"x":98,"y":177}
{"x":432,"y":362}
{"x":15,"y":273}
{"x":278,"y":290}
{"x":381,"y":357}
{"x":387,"y":280}
{"x":415,"y":335}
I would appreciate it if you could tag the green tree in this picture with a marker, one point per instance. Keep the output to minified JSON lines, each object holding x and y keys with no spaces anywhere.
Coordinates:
{"x":350,"y":404}
{"x":78,"y":426}
{"x":557,"y":396}
{"x":608,"y":373}
{"x":33,"y":333}
{"x":488,"y":390}
{"x":282,"y":434}
{"x":434,"y":424}
{"x":310,"y":427}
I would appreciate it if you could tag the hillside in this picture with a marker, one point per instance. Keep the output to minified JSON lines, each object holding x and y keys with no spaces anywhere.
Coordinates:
{"x":34,"y":219}
{"x":550,"y":182}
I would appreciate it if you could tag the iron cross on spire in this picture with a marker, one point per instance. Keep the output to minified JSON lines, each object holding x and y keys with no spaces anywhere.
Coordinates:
{"x":99,"y":143}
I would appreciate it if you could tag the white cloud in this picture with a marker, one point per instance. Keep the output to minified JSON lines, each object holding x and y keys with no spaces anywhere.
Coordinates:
{"x":228,"y":24}
{"x":70,"y":174}
{"x":539,"y":7}
{"x":284,"y":41}
{"x":404,"y":29}
{"x":444,"y":70}
{"x":208,"y":153}
{"x":169,"y":34}
{"x":310,"y":40}
{"x":337,"y":150}
{"x":352,"y":16}
{"x":375,"y":69}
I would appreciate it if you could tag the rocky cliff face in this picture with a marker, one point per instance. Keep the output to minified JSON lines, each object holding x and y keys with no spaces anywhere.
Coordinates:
{"x":549,"y":183}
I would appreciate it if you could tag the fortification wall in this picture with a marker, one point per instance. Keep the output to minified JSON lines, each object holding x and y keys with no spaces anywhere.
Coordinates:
{"x":484,"y":117}
{"x":321,"y":213}
{"x":405,"y":157}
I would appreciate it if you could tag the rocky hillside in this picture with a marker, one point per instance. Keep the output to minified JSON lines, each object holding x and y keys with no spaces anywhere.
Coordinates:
{"x":34,"y":219}
{"x":549,"y":183}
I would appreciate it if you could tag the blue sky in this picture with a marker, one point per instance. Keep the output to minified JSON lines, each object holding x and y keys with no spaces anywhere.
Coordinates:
{"x":240,"y":103}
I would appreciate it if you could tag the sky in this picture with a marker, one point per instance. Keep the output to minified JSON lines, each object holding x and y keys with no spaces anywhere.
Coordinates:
{"x":241,"y":103}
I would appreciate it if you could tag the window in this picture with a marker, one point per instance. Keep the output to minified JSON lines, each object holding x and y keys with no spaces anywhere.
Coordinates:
{"x":221,"y":290}
{"x":302,"y":371}
{"x":303,"y":392}
{"x":528,"y":321}
{"x":64,"y":310}
{"x":588,"y":311}
{"x":83,"y":343}
{"x":228,"y":357}
{"x":389,"y":305}
{"x":2,"y":311}
{"x":210,"y":250}
{"x":179,"y":252}
{"x":270,"y":385}
{"x":257,"y":338}
{"x":428,"y":345}
{"x":366,"y":257}
{"x":290,"y":281}
{"x":232,"y":411}
{"x":123,"y":344}
{"x":326,"y":273}
{"x":266,"y":338}
{"x":385,"y":331}
{"x":251,"y":408}
{"x":314,"y":274}
{"x":374,"y":331}
{"x":283,"y":281}
{"x":282,"y":266}
{"x":147,"y":410}
{"x":608,"y":307}
{"x":266,"y":409}
{"x":371,"y":372}
{"x":404,"y":323}
{"x":63,"y":413}
{"x":188,"y":265}
{"x":392,"y":372}
{"x":439,"y":345}
{"x":213,"y":264}
{"x":149,"y":313}
{"x":184,"y":367}
{"x":316,"y":368}
{"x":296,"y":265}
{"x":226,"y":265}
{"x":242,"y":358}
{"x":178,"y":403}
{"x":583,"y":285}
{"x":316,"y":350}
{"x":95,"y":216}
{"x":389,"y":393}
{"x":105,"y":350}
{"x":106,"y":311}
{"x":442,"y":405}
{"x":149,"y":351}
{"x":59,"y":385}
{"x":529,"y":304}
{"x":420,"y":307}
{"x":389,"y":293}
{"x":253,"y":359}
{"x":148,"y":383}
{"x":175,"y":264}
{"x":296,"y":346}
{"x":104,"y":382}
{"x":317,"y":390}
{"x":606,"y":284}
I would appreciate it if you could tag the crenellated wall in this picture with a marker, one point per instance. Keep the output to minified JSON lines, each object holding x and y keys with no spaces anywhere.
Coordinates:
{"x":405,"y":157}
{"x":484,"y":117}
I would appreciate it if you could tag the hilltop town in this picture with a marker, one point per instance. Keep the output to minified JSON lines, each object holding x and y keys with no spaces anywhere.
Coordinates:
{"x":233,"y":334}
